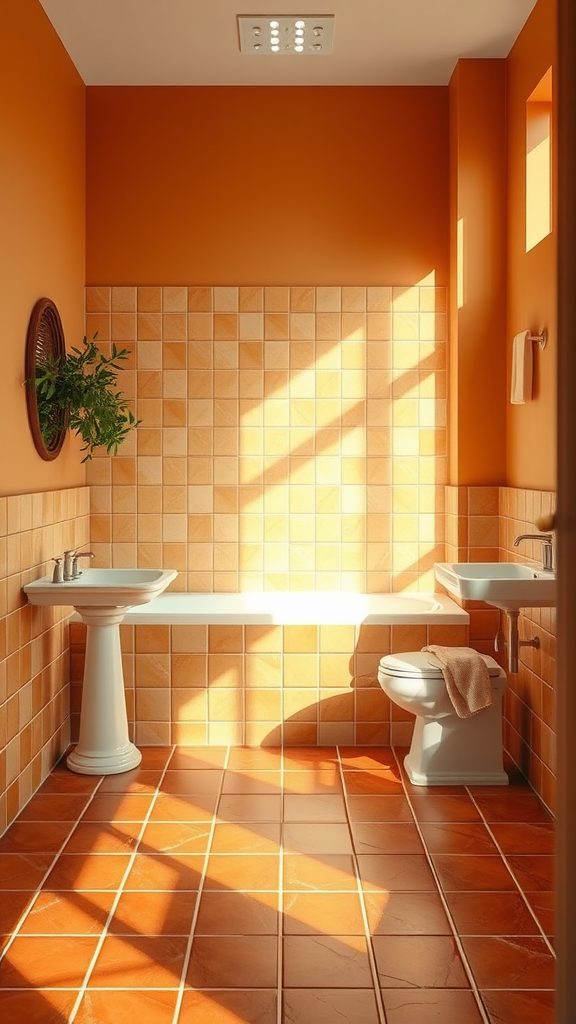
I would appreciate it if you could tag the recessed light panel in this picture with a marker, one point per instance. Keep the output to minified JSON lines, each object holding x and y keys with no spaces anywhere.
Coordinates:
{"x":306,"y":35}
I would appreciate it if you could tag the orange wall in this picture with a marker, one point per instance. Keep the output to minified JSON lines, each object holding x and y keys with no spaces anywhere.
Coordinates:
{"x":42,"y":238}
{"x":478,"y":199}
{"x":532,"y":276}
{"x":277,"y":185}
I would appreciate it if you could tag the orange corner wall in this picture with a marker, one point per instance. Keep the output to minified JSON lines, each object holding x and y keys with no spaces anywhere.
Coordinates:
{"x":274,"y":185}
{"x":42,"y":238}
{"x":532,"y":276}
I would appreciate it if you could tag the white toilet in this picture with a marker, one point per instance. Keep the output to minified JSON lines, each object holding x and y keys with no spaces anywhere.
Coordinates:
{"x":446,"y":750}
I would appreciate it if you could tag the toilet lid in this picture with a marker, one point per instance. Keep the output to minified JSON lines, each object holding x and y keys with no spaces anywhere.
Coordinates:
{"x":419,"y":664}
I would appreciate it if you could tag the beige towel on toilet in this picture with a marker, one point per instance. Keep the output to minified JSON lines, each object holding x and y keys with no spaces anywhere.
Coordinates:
{"x":467,"y":678}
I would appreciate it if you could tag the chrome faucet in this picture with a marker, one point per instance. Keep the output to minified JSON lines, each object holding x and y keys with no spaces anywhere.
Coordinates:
{"x":71,"y":570}
{"x":547,"y":549}
{"x":79,"y":554}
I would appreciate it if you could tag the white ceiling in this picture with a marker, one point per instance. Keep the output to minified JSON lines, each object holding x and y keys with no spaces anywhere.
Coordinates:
{"x":195,"y":42}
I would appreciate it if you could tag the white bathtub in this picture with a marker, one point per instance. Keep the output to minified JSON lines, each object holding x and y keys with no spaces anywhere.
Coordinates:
{"x":295,"y":608}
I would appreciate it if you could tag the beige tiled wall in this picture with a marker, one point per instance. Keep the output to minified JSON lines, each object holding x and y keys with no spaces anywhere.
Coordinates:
{"x":481,"y":525}
{"x":34,"y":663}
{"x":291,"y":438}
{"x":262,"y":684}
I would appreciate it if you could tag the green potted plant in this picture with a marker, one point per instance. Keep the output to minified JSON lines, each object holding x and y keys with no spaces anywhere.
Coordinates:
{"x":82,"y":388}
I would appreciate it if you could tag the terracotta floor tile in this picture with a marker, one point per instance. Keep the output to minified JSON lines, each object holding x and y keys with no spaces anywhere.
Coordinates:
{"x":519,"y":1007}
{"x":544,"y":905}
{"x":138,"y":961}
{"x":406,"y":913}
{"x":533,"y":872}
{"x":518,"y":837}
{"x":154,"y":913}
{"x":250,"y":871}
{"x":309,"y":838}
{"x":396,"y":873}
{"x":525,"y":807}
{"x":327,"y":1005}
{"x":87,"y":871}
{"x":504,"y":962}
{"x":444,"y":807}
{"x":198,"y":757}
{"x":252,"y":782}
{"x":56,"y":962}
{"x":418,"y":961}
{"x":175,"y":837}
{"x":319,"y":782}
{"x":54,"y":807}
{"x":234,"y":807}
{"x":237,"y":913}
{"x":224,"y":1006}
{"x":314,"y":808}
{"x":368,"y":758}
{"x":117,"y":1007}
{"x":429,"y":1006}
{"x":387,"y":837}
{"x":373,"y":781}
{"x":69,"y":782}
{"x":310,"y":758}
{"x":36,"y":1006}
{"x":193,"y":782}
{"x":491,"y":913}
{"x":183,"y":808}
{"x":68,"y":913}
{"x":118,"y":807}
{"x":139,"y":780}
{"x":262,"y":758}
{"x":324,"y":913}
{"x":99,"y":837}
{"x":12,"y":906}
{"x":23,"y":870}
{"x":179,"y":871}
{"x":231,"y":961}
{"x":323,"y":874}
{"x":457,"y":837}
{"x":25,"y":836}
{"x":378,"y":807}
{"x":155,"y":757}
{"x":252,"y":837}
{"x":472,"y":873}
{"x":325,"y":961}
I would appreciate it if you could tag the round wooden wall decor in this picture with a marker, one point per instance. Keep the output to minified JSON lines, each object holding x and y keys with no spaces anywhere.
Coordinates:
{"x":45,"y":339}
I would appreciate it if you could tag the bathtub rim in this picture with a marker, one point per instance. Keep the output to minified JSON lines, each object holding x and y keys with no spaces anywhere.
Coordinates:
{"x":297,"y":608}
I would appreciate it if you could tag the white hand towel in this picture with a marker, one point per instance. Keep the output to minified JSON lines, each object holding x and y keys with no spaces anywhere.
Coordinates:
{"x":522,"y":360}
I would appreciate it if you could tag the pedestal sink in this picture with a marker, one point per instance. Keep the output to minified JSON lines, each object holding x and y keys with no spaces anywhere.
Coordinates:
{"x":102,"y":597}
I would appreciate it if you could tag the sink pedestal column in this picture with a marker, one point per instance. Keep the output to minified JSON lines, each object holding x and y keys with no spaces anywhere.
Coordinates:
{"x":104,"y":747}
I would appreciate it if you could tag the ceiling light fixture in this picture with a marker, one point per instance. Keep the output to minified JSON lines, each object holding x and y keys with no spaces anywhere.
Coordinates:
{"x":311,"y":35}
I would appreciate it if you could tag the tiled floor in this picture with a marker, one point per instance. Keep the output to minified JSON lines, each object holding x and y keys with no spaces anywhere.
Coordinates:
{"x":313,"y":886}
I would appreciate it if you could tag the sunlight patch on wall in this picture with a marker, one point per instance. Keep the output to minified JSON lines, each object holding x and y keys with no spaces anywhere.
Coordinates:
{"x":539,"y":162}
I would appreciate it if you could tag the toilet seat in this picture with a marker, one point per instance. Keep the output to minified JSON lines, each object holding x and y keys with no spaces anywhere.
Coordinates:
{"x":418,"y":665}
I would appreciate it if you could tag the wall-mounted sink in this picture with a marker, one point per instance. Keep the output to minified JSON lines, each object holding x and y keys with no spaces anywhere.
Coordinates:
{"x":506,"y":585}
{"x":102,"y":597}
{"x":111,"y":588}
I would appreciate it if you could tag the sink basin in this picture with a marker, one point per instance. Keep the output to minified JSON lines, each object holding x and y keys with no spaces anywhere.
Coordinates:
{"x":506,"y":585}
{"x":102,"y":588}
{"x":102,"y":597}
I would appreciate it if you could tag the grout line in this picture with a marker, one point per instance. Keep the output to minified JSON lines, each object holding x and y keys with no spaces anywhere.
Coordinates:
{"x":116,"y":900}
{"x":50,"y":867}
{"x":510,"y":870}
{"x":367,"y":934}
{"x":456,"y":936}
{"x":190,"y":943}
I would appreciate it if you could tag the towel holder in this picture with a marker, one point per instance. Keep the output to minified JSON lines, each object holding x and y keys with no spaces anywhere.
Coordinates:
{"x":541,"y":338}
